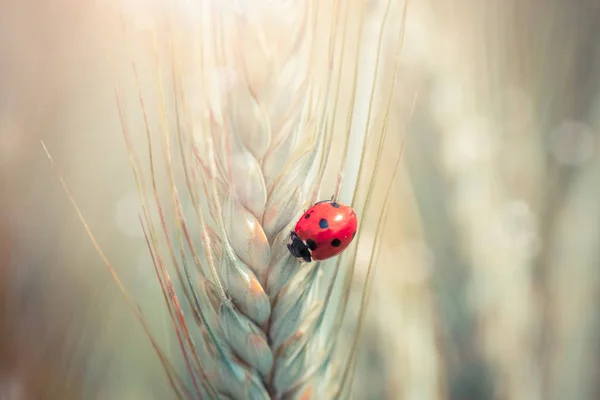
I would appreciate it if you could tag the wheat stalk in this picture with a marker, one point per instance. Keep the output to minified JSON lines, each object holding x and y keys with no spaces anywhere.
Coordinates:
{"x":244,"y":151}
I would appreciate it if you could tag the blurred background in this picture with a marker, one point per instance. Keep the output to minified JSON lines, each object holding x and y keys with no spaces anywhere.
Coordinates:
{"x":487,"y":283}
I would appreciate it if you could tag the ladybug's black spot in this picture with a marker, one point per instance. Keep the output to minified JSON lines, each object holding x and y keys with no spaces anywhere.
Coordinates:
{"x":323,"y":223}
{"x":354,"y":234}
{"x":336,"y":242}
{"x":307,"y":216}
{"x":312,"y":245}
{"x":335,"y":205}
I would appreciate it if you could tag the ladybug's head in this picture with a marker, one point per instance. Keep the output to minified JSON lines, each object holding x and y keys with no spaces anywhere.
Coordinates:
{"x":298,"y":248}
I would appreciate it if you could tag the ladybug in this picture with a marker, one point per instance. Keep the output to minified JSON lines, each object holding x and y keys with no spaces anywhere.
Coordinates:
{"x":324,"y":231}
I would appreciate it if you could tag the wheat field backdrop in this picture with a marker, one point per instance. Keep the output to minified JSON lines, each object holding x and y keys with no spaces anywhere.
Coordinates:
{"x":475,"y":271}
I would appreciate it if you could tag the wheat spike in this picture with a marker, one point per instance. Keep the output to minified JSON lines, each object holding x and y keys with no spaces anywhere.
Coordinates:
{"x":246,"y":119}
{"x":253,"y":161}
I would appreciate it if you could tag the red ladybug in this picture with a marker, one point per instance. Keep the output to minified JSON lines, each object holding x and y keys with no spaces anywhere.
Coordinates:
{"x":324,"y":231}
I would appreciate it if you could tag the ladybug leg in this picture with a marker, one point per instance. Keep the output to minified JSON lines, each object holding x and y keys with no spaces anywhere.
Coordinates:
{"x":298,"y":249}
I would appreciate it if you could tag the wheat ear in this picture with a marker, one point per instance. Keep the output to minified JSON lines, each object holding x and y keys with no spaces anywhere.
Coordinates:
{"x":249,"y":320}
{"x":267,"y":166}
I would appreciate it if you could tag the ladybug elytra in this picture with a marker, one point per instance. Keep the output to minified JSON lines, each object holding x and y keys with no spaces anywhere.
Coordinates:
{"x":324,"y":231}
